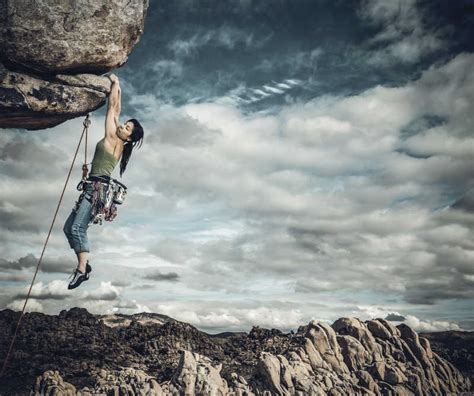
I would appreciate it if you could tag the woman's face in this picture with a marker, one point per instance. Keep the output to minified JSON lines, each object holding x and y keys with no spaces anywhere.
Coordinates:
{"x":124,"y":131}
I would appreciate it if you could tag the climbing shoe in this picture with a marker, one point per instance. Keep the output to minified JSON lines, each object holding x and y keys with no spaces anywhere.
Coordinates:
{"x":78,"y":277}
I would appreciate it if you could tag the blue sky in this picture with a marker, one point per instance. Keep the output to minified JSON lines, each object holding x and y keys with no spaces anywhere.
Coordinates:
{"x":302,"y":160}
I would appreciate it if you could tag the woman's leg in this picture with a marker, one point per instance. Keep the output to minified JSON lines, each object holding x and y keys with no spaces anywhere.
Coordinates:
{"x":82,"y":261}
{"x":74,"y":242}
{"x":67,"y":229}
{"x":76,"y":230}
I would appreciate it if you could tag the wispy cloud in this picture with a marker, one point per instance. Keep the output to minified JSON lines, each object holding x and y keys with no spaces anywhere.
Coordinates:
{"x":404,"y":34}
{"x":227,"y":37}
{"x":247,"y":96}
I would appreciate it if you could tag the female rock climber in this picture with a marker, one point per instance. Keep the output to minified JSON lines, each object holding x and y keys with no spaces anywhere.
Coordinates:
{"x":117,"y":145}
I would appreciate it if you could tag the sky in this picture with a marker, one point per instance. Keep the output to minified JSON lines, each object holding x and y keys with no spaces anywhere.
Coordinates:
{"x":303,"y":160}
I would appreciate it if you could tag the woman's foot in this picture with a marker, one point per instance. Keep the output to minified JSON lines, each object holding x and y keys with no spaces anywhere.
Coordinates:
{"x":78,"y":277}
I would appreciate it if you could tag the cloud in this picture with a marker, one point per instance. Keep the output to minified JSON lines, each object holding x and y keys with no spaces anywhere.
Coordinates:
{"x":19,"y":151}
{"x":328,"y":199}
{"x":404,"y":35}
{"x":393,"y":317}
{"x":14,"y":277}
{"x":422,"y":325}
{"x":160,"y":276}
{"x":173,"y":250}
{"x":326,"y":193}
{"x":105,"y":292}
{"x":226,"y":37}
{"x":179,"y":129}
{"x":233,"y":318}
{"x":126,"y":305}
{"x":48,"y":264}
{"x":54,"y":290}
{"x":166,"y":71}
{"x":247,"y":96}
{"x":465,"y":201}
{"x":430,"y":325}
{"x":121,"y":283}
{"x":31,"y":306}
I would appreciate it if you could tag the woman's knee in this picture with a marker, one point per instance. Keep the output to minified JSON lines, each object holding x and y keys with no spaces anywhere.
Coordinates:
{"x":78,"y":229}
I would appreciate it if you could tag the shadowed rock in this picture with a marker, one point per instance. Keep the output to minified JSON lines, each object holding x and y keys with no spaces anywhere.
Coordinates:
{"x":33,"y":103}
{"x":52,"y":51}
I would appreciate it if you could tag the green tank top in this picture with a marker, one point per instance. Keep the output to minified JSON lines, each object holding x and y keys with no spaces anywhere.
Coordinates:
{"x":103,"y":162}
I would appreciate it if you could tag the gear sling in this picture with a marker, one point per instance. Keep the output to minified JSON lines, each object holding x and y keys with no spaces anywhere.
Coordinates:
{"x":107,"y":194}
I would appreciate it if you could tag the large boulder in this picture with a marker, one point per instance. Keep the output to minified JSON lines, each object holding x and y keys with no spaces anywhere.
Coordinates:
{"x":52,"y":53}
{"x":62,"y":36}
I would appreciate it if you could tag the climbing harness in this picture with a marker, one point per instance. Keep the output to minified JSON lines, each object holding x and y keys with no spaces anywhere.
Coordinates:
{"x":86,"y":124}
{"x":107,"y":193}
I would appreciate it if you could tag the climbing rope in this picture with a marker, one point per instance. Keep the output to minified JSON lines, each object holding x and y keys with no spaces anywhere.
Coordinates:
{"x":86,"y":124}
{"x":85,"y":169}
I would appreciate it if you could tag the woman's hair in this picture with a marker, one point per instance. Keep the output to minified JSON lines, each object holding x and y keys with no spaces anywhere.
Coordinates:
{"x":137,"y":140}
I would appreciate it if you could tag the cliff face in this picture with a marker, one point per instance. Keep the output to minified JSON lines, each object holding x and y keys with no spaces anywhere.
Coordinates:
{"x":52,"y":53}
{"x":76,"y":352}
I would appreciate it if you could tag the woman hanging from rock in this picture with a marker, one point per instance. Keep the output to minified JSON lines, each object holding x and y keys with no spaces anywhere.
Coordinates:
{"x":117,"y":145}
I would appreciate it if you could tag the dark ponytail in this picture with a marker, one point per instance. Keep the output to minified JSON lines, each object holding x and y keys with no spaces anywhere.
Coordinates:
{"x":137,"y":140}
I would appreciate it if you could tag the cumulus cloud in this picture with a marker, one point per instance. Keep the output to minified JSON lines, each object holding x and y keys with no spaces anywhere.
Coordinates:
{"x":106,"y":291}
{"x":430,"y":325}
{"x":216,"y":318}
{"x":31,"y":306}
{"x":422,"y":325}
{"x":54,"y":290}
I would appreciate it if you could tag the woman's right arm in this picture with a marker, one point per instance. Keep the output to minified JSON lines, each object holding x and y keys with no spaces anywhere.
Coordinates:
{"x":113,"y":108}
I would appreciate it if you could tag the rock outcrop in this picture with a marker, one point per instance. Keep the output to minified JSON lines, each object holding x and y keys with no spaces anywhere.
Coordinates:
{"x":52,"y":53}
{"x":150,"y":354}
{"x":33,"y":103}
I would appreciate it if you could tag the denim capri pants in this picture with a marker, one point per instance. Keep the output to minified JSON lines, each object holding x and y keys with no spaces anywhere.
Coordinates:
{"x":77,"y":223}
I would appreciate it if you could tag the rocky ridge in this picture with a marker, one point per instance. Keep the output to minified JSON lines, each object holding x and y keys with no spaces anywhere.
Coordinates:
{"x":48,"y":76}
{"x":77,"y":353}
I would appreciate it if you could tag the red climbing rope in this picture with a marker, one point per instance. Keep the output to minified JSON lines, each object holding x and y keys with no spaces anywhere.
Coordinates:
{"x":86,"y":124}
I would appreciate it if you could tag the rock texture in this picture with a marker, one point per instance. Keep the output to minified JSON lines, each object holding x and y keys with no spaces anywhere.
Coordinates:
{"x":83,"y":36}
{"x":33,"y":103}
{"x":76,"y":353}
{"x":48,"y":76}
